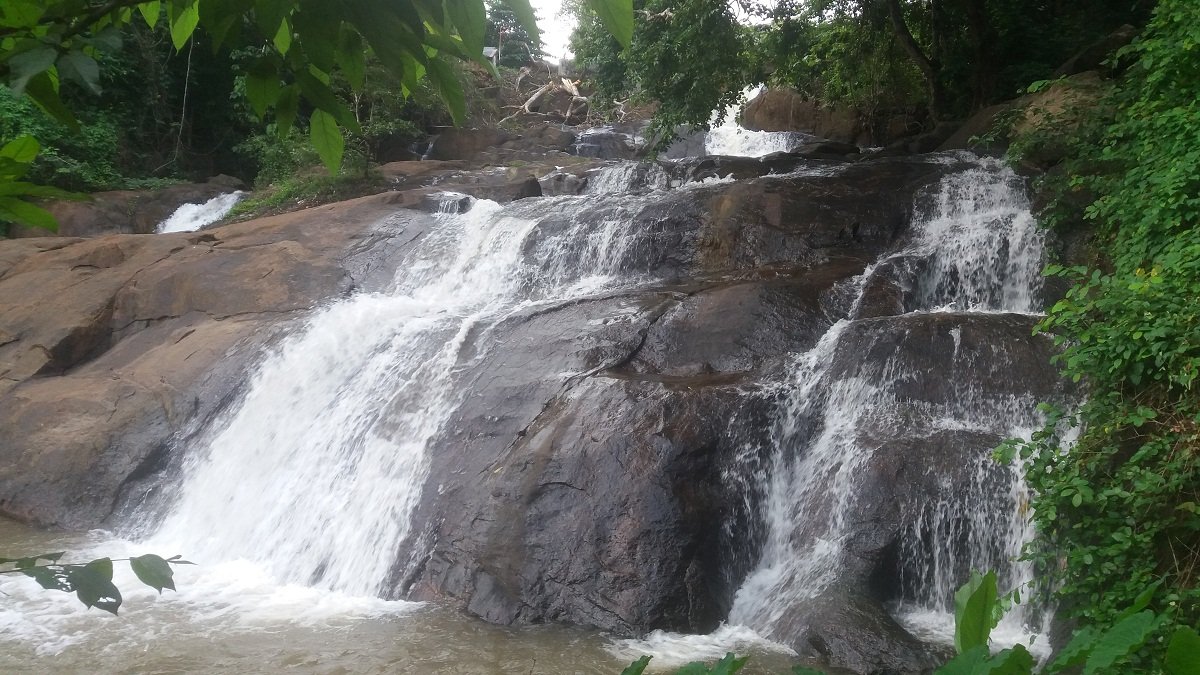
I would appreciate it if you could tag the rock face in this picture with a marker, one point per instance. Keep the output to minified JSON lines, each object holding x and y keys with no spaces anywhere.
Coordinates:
{"x":616,"y":497}
{"x":786,"y":110}
{"x":127,"y":211}
{"x":111,"y":346}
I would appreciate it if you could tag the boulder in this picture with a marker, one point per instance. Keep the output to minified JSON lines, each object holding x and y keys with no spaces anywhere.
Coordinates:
{"x":461,"y":143}
{"x":787,"y":110}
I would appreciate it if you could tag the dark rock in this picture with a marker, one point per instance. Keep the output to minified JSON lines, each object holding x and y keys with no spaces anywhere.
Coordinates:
{"x":461,"y":143}
{"x":981,"y":124}
{"x":606,"y":143}
{"x":850,"y":630}
{"x":1094,"y":56}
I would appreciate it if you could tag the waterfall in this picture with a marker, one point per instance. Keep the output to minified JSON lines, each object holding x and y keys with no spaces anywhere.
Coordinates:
{"x":317,"y":471}
{"x":191,"y":217}
{"x":974,"y":248}
{"x":730,"y":138}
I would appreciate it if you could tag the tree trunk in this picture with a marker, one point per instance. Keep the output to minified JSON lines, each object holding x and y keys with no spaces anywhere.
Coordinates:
{"x":984,"y":71}
{"x":930,"y":68}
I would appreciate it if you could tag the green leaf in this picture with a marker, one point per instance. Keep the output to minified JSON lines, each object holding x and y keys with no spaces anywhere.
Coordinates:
{"x":286,"y":107}
{"x":283,"y":37}
{"x":23,"y":149}
{"x":637,"y":667}
{"x":153,"y":571}
{"x":617,"y":17}
{"x":974,"y":617}
{"x":528,"y":19}
{"x":28,"y":64}
{"x":51,"y":579}
{"x":81,"y":68}
{"x":1015,"y":661}
{"x":320,"y":95}
{"x":1183,"y":652}
{"x":327,"y":139}
{"x":23,"y":189}
{"x":1119,"y":641}
{"x":262,"y":86}
{"x":184,"y":24}
{"x":970,"y":662}
{"x":351,"y":58}
{"x":446,"y":82}
{"x":150,"y":12}
{"x":23,"y":213}
{"x":729,"y":665}
{"x":470,"y":18}
{"x":93,"y":585}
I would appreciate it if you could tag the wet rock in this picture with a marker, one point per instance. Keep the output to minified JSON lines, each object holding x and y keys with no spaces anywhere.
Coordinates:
{"x":849,"y":630}
{"x":111,"y":345}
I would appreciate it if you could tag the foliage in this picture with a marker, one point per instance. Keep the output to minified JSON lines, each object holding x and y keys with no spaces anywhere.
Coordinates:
{"x":1092,"y":650}
{"x":1117,"y":509}
{"x":299,"y":47}
{"x":16,"y":159}
{"x":505,"y":31}
{"x":92,"y":582}
{"x":305,"y":189}
{"x":689,"y":56}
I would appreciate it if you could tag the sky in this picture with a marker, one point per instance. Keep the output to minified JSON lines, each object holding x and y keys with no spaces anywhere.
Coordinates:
{"x":556,"y":30}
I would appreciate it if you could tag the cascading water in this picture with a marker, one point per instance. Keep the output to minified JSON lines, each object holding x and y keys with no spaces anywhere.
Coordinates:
{"x":979,"y":251}
{"x":730,"y":138}
{"x":191,"y":217}
{"x":334,"y":429}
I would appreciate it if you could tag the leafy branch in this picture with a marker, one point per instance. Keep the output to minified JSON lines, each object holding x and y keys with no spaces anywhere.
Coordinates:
{"x":92,"y":582}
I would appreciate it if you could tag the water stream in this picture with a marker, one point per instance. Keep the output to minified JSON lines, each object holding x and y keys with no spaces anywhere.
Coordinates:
{"x":299,"y":500}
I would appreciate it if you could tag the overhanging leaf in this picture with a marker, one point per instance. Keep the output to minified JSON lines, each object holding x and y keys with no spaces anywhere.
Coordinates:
{"x":446,"y":82}
{"x":23,"y":149}
{"x":973,"y":612}
{"x":26,"y":65}
{"x":150,"y":12}
{"x":262,"y":86}
{"x":327,"y":139}
{"x":351,"y":57}
{"x":470,"y":19}
{"x":286,"y":106}
{"x":81,"y":68}
{"x":23,"y":213}
{"x":528,"y":19}
{"x":184,"y":24}
{"x":93,"y":585}
{"x":617,"y":17}
{"x":153,"y":571}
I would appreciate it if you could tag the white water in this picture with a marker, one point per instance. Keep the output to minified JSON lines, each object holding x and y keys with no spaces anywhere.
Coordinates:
{"x":316,"y":473}
{"x":727,"y":137}
{"x":982,"y":252}
{"x":191,"y":217}
{"x":300,"y":499}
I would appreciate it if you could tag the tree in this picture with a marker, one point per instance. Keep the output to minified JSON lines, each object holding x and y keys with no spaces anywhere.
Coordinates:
{"x":506,"y":33}
{"x":299,"y":45}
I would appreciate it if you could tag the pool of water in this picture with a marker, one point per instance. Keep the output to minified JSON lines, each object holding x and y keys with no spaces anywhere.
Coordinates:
{"x":230,"y":617}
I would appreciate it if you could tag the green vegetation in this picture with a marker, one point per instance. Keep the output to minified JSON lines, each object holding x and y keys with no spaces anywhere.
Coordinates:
{"x":505,"y":31}
{"x":1119,"y":508}
{"x":928,"y":60}
{"x":92,"y":582}
{"x":299,"y":64}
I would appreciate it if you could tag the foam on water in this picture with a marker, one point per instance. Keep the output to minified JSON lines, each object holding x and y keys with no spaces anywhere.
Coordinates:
{"x":672,"y":650}
{"x":191,"y":217}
